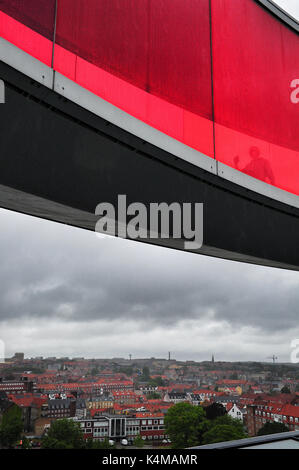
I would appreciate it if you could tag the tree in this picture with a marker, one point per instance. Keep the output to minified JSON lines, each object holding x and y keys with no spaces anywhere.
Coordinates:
{"x":9,"y":377}
{"x":227,"y":419}
{"x":157,"y":381}
{"x":129,"y":371}
{"x":138,"y":441}
{"x":153,"y":396}
{"x":94,"y":371}
{"x":25,"y":443}
{"x":11,"y":427}
{"x":215,"y":410}
{"x":233,"y":376}
{"x":183,"y":423}
{"x":89,"y":443}
{"x":223,"y":428}
{"x":63,"y":434}
{"x":221,"y":433}
{"x":272,"y":428}
{"x":285,"y":389}
{"x":145,"y":374}
{"x":101,"y":444}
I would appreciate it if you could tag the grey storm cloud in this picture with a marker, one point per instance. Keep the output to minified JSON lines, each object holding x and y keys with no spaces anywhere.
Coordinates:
{"x":58,"y":272}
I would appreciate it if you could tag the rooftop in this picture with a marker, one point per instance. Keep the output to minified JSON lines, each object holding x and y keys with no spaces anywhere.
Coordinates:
{"x":284,"y":440}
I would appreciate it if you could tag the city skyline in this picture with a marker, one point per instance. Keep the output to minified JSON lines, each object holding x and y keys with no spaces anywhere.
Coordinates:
{"x":268,"y":360}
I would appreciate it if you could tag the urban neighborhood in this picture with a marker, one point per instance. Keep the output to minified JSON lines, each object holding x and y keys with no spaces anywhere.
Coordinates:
{"x":138,"y":402}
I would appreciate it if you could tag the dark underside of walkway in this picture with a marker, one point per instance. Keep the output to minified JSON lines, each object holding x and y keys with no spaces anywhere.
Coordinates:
{"x":58,"y":161}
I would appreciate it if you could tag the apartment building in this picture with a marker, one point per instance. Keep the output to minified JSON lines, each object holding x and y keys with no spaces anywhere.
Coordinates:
{"x":150,"y":426}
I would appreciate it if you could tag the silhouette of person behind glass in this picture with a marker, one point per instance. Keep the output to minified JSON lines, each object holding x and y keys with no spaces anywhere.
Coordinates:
{"x":258,"y":167}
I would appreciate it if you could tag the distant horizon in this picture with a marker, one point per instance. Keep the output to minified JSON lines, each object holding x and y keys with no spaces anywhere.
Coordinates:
{"x":110,"y":358}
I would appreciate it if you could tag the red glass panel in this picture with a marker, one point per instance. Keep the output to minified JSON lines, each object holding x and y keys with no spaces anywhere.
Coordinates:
{"x":112,"y":35}
{"x":255,"y":59}
{"x":180,"y":55}
{"x":151,"y":61}
{"x":29,"y":24}
{"x":38,"y":15}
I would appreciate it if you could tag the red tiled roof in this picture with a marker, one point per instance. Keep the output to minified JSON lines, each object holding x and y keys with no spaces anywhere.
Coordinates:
{"x":118,"y":406}
{"x":114,"y":381}
{"x":28,"y":400}
{"x":283,"y":409}
{"x":159,"y":375}
{"x":98,"y":410}
{"x":123,"y":393}
{"x":180,"y":387}
{"x":48,"y":386}
{"x":231,"y":382}
{"x":149,"y":415}
{"x":207,"y":392}
{"x":290,"y":410}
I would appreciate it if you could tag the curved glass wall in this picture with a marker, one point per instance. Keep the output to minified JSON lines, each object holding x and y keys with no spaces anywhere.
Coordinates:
{"x":222,"y":79}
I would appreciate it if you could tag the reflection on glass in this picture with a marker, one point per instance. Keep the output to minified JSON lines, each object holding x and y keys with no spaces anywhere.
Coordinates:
{"x":258,"y":166}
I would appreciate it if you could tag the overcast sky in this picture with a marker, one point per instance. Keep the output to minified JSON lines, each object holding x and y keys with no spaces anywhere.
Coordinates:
{"x":65,"y":292}
{"x":291,"y":6}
